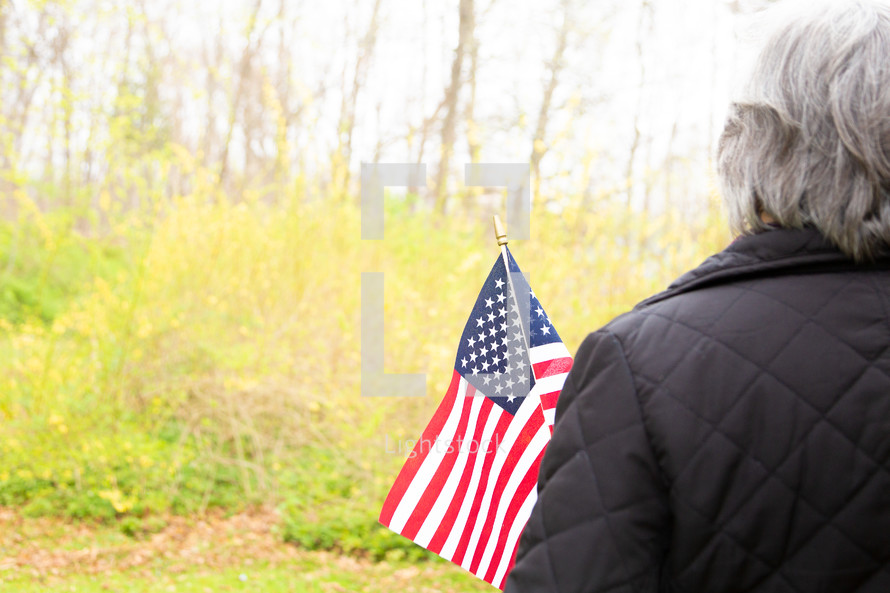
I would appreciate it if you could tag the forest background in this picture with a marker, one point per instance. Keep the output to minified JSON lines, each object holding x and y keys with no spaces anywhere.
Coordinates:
{"x":181,"y":255}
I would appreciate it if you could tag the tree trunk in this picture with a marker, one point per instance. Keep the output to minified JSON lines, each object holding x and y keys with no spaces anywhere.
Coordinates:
{"x":250,"y":49}
{"x":472,"y":129}
{"x":635,"y":143}
{"x":539,"y":145}
{"x":449,"y":122}
{"x":349,"y":103}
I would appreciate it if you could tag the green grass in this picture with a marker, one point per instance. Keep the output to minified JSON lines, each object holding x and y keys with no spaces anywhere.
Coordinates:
{"x":309,"y":575}
{"x":199,"y":554}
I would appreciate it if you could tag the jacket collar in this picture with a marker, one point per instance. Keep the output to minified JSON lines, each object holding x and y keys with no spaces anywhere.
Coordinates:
{"x":770,"y":252}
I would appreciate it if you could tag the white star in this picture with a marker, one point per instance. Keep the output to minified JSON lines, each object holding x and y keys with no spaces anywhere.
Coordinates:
{"x":480,"y":322}
{"x":485,"y":366}
{"x":499,"y":283}
{"x":510,"y":398}
{"x":510,"y":383}
{"x":504,"y":340}
{"x":470,"y":341}
{"x":508,"y":369}
{"x":496,"y":360}
{"x":487,"y":379}
{"x":491,"y":316}
{"x":498,"y":388}
{"x":489,"y":302}
{"x":501,"y":297}
{"x":483,"y":350}
{"x":475,"y":370}
{"x":501,"y":312}
{"x":545,"y":330}
{"x":540,"y":312}
{"x":463,"y":362}
{"x":473,"y":356}
{"x":532,"y":293}
{"x":493,"y":332}
{"x":517,"y":321}
{"x":520,"y":365}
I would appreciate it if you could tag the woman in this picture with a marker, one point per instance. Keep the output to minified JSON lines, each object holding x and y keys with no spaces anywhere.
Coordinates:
{"x":733,"y":432}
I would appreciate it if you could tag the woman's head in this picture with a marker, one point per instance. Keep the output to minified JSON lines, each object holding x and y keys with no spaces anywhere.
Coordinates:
{"x":809,"y":141}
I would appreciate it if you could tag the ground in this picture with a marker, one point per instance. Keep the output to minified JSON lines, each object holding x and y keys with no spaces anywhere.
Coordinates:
{"x":214,"y":553}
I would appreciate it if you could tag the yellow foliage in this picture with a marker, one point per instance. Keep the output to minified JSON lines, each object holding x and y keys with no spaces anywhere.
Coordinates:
{"x":242,"y":320}
{"x":118,"y":500}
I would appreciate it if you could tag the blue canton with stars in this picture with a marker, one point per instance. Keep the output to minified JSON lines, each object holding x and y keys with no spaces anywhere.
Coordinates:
{"x":493,"y":355}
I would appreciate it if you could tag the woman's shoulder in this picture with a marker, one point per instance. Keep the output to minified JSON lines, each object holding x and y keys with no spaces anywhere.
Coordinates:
{"x":756,"y":292}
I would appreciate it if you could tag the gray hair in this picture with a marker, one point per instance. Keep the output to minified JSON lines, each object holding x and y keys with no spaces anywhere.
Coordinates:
{"x":809,"y":143}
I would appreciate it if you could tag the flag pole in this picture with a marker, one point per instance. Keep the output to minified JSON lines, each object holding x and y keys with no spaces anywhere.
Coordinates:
{"x":500,"y":234}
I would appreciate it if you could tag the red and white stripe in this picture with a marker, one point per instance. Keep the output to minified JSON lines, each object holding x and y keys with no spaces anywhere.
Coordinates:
{"x":551,"y":363}
{"x":468,"y":486}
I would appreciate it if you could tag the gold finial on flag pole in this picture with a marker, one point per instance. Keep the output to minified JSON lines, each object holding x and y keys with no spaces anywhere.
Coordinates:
{"x":499,"y":232}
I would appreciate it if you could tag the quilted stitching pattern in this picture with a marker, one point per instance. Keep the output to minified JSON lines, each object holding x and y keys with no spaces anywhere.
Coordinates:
{"x":730,"y":434}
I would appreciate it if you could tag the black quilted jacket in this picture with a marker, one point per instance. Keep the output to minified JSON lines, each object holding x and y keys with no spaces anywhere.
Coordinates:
{"x":729,"y":434}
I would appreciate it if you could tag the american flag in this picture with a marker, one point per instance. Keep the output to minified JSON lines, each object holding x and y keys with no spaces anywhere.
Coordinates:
{"x":468,"y":485}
